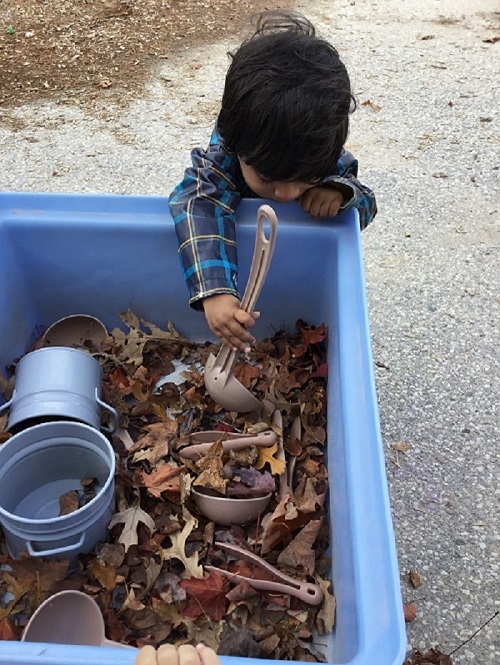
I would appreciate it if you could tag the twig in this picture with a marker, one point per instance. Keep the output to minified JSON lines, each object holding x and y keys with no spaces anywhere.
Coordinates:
{"x":474,"y":634}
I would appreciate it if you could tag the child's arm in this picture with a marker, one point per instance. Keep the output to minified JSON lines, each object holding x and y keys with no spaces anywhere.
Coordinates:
{"x":340,"y":192}
{"x":203,"y":208}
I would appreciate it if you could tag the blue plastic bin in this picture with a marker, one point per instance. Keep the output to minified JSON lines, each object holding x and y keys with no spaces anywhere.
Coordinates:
{"x":65,"y":254}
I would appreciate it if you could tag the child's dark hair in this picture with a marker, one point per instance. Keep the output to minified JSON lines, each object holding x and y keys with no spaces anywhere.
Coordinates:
{"x":286,"y":102}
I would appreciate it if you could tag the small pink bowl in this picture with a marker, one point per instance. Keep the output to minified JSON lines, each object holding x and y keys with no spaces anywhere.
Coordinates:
{"x":228,"y":510}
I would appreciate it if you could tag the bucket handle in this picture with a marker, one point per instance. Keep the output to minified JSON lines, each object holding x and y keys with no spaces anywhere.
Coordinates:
{"x":5,"y":406}
{"x":113,"y":412}
{"x":56,"y":550}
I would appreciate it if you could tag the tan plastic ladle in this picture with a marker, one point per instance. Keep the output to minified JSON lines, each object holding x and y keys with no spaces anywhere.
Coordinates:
{"x":223,"y":387}
{"x":69,"y":617}
{"x":230,"y":441}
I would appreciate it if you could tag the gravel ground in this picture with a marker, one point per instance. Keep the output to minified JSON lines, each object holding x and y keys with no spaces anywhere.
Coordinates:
{"x":428,"y":142}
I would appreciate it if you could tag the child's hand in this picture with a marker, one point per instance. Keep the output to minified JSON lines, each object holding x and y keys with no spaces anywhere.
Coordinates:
{"x":321,"y":201}
{"x":167,"y":654}
{"x":229,"y":322}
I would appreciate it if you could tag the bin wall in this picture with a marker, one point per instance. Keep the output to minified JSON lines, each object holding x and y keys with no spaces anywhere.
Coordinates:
{"x":65,"y":254}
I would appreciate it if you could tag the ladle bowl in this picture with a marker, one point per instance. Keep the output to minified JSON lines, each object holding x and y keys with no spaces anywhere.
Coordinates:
{"x":226,"y":510}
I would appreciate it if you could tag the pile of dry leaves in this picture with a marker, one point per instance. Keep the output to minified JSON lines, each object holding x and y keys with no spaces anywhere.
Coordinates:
{"x":150,"y":578}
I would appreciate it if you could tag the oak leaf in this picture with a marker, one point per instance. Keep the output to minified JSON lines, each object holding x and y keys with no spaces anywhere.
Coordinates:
{"x":178,"y":548}
{"x":309,"y":335}
{"x":205,"y":596}
{"x":266,"y":456}
{"x":130,"y":519}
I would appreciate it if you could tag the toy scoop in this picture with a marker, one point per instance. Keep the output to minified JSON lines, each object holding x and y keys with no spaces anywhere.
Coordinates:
{"x":69,"y":617}
{"x":73,"y":330}
{"x":223,"y":387}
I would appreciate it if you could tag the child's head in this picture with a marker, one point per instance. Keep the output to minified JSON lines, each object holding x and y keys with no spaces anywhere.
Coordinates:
{"x":286,"y":103}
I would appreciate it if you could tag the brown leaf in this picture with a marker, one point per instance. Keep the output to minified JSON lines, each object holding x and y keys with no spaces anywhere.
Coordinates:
{"x":309,"y":335}
{"x":410,"y":612}
{"x":374,"y":107}
{"x":299,"y":552}
{"x":430,"y":657}
{"x":103,"y":572}
{"x":205,"y":596}
{"x":270,"y":644}
{"x":284,"y":521}
{"x":416,"y":579}
{"x":401,"y":447}
{"x":165,"y":479}
{"x":246,"y":373}
{"x":157,"y":435}
{"x":7,"y":631}
{"x":68,"y":503}
{"x":211,"y":465}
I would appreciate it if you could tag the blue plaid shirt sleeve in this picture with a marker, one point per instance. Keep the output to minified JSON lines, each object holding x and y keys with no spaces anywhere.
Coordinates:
{"x":203,"y":209}
{"x":362,"y":198}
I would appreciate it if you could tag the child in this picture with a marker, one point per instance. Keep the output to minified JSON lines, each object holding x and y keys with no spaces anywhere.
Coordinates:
{"x":280,"y":135}
{"x":167,"y":654}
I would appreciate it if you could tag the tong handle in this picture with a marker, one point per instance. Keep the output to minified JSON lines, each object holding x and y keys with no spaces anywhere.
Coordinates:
{"x":262,"y":256}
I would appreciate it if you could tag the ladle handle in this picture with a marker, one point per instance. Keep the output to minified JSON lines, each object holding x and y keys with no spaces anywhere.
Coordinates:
{"x":264,"y":439}
{"x":262,"y":255}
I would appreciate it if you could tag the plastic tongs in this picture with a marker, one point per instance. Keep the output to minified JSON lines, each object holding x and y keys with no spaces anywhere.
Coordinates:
{"x":309,"y":593}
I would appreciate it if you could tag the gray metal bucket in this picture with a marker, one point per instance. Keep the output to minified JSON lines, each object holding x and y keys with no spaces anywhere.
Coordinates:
{"x":37,"y":467}
{"x":57,"y":383}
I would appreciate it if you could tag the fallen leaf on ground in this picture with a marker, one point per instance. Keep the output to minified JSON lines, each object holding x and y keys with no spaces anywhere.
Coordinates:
{"x":299,"y":552}
{"x":266,"y":456}
{"x":178,"y":548}
{"x":416,"y":579}
{"x":410,"y":612}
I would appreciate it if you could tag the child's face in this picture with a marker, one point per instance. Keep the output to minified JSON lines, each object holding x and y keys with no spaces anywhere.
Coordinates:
{"x":277,"y":190}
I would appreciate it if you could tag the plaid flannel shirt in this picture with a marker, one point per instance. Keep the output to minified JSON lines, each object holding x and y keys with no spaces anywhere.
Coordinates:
{"x":203,"y":208}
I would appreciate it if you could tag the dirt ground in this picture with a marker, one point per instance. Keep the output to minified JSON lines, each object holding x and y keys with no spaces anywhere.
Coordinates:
{"x":50,"y":48}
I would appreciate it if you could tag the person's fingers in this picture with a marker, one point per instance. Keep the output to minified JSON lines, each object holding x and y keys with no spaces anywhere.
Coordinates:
{"x":324,"y":207}
{"x":305,"y":202}
{"x":334,"y":207}
{"x":314,"y":209}
{"x":207,"y":655}
{"x":167,"y":655}
{"x":244,"y":318}
{"x":255,"y":315}
{"x":146,"y":656}
{"x":188,"y":655}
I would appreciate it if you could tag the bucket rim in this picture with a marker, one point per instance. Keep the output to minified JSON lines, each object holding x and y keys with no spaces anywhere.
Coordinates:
{"x":12,"y":517}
